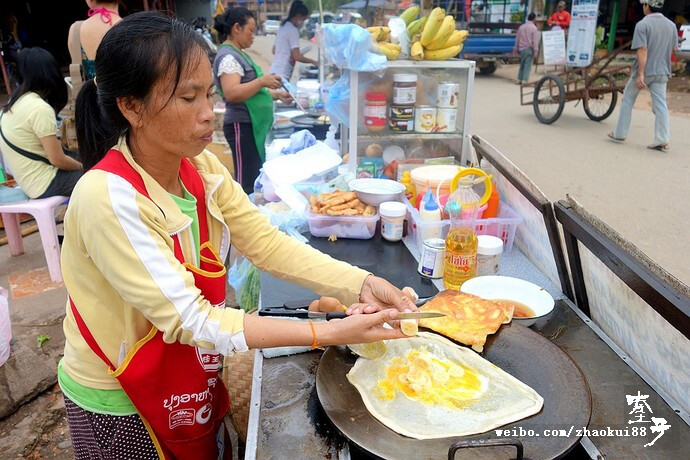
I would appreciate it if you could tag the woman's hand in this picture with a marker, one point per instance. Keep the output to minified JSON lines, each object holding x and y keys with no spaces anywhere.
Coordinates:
{"x":271,"y":81}
{"x":284,"y":97}
{"x":379,"y":294}
{"x":360,"y":329}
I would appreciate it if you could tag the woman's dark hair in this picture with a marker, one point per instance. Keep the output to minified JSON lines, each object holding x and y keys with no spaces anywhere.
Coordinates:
{"x":531,"y":16}
{"x":39,"y":73}
{"x":133,"y":55}
{"x":296,"y":8}
{"x":225,"y":22}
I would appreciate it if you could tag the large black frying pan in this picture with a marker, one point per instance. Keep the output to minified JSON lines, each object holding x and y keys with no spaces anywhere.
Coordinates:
{"x":518,"y":350}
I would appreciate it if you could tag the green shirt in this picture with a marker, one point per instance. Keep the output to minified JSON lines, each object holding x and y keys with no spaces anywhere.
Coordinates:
{"x":116,"y":402}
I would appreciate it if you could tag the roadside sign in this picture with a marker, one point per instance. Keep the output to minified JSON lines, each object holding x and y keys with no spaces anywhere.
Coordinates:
{"x":685,"y":34}
{"x":583,"y":25}
{"x":554,"y":47}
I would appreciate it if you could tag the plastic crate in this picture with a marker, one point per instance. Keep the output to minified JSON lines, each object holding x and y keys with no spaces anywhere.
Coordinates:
{"x":353,"y":227}
{"x":503,"y":226}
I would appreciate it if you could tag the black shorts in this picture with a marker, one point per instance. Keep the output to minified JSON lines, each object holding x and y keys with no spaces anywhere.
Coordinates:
{"x":64,"y":181}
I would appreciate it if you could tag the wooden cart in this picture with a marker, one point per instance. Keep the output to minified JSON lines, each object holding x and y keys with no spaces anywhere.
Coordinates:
{"x":597,"y":85}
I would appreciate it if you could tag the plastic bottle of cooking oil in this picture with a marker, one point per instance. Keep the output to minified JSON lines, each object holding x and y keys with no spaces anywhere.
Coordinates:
{"x":461,"y":241}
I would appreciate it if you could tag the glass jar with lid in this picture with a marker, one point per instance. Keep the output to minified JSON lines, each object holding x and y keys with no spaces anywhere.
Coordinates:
{"x":404,"y":89}
{"x":375,"y":111}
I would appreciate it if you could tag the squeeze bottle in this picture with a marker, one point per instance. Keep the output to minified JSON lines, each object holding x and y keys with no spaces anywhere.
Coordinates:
{"x":430,"y":213}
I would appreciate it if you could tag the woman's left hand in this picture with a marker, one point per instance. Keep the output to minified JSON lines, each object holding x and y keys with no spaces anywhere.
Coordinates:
{"x":378,"y":294}
{"x":284,"y":97}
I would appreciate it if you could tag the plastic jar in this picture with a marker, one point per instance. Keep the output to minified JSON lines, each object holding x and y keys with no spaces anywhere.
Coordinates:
{"x":489,"y":252}
{"x":375,"y":112}
{"x":404,"y":89}
{"x":392,"y":218}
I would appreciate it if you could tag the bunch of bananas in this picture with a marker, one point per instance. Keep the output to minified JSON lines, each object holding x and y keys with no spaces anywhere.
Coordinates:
{"x":382,"y":42}
{"x":434,"y":37}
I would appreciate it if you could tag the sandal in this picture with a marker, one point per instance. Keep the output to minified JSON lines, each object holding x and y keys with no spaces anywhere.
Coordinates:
{"x":612,"y":137}
{"x":660,"y":147}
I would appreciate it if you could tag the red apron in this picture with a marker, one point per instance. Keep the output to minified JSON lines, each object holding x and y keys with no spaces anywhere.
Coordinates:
{"x":175,"y":387}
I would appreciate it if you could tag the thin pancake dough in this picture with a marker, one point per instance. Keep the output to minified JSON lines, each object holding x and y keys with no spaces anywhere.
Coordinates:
{"x":427,"y":387}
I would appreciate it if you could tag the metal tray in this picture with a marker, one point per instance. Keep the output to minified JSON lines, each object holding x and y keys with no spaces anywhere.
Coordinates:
{"x":518,"y":350}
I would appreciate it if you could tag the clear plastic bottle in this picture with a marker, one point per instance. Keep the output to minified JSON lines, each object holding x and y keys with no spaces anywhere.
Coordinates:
{"x":461,"y":241}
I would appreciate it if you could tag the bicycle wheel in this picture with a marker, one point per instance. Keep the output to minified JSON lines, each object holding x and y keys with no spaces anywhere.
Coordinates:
{"x":602,"y":98}
{"x":549,"y":99}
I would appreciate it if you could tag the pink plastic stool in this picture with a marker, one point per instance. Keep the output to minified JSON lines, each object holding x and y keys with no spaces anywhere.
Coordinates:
{"x":43,"y":210}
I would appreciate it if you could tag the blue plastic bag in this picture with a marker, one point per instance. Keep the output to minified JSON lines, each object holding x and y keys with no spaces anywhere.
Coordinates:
{"x":245,"y":279}
{"x":338,"y":104}
{"x":349,"y":47}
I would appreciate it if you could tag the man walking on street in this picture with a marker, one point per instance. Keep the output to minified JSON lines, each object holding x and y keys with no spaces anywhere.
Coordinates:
{"x":655,"y":39}
{"x":527,"y":46}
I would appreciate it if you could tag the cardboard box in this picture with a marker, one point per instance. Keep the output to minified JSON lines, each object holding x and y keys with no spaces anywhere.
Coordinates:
{"x":224,"y":154}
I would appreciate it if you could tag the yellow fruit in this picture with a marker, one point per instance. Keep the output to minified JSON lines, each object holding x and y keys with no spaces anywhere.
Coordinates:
{"x":458,"y":37}
{"x":444,"y":32}
{"x":432,"y":25}
{"x":417,"y":51}
{"x":442,"y":54}
{"x":389,"y":50}
{"x":374,"y":350}
{"x":410,"y":14}
{"x":379,"y":33}
{"x":416,"y":26}
{"x":409,"y":327}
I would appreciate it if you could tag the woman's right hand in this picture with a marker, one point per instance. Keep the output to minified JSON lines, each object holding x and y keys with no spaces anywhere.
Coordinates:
{"x":271,"y":81}
{"x":363,"y":328}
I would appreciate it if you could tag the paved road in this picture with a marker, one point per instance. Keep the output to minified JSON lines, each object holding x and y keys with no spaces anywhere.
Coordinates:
{"x":643,"y":194}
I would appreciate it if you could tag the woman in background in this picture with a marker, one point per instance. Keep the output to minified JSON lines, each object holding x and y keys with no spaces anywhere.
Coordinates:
{"x":102,"y":16}
{"x":28,"y":127}
{"x":286,"y":48}
{"x":247,"y":92}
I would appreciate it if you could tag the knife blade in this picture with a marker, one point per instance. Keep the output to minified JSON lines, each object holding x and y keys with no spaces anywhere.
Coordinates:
{"x":410,"y":315}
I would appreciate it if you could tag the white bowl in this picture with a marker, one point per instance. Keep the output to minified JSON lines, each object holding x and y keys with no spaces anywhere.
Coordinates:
{"x":376,"y":191}
{"x":507,"y":288}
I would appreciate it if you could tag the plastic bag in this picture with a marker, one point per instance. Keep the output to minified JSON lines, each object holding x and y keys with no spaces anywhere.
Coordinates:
{"x":400,"y":36}
{"x":245,"y":279}
{"x":5,"y":327}
{"x":298,"y":142}
{"x":338,"y":104}
{"x":287,"y":220}
{"x":349,"y":47}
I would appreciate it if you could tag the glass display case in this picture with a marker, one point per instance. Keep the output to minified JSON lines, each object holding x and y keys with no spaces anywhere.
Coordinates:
{"x":416,"y":112}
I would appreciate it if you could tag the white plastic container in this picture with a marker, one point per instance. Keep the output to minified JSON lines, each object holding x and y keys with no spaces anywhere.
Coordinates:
{"x":392,"y":220}
{"x":489,"y":253}
{"x":504,"y":226}
{"x":5,"y":327}
{"x":353,"y":227}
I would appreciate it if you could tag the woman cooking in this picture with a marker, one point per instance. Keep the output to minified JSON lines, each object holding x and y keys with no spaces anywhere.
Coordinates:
{"x":286,"y":48}
{"x":248,"y":95}
{"x":146,"y":232}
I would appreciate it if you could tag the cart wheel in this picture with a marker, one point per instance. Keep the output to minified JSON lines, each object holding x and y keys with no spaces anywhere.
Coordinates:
{"x":488,"y":69}
{"x":602,"y":98}
{"x":549,"y":99}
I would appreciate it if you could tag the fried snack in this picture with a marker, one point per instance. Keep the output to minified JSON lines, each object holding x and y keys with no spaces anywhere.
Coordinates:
{"x":469,"y":319}
{"x":333,"y":238}
{"x":340,"y":204}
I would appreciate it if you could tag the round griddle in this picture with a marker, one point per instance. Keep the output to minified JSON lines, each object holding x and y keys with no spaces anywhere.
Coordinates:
{"x":517,"y":350}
